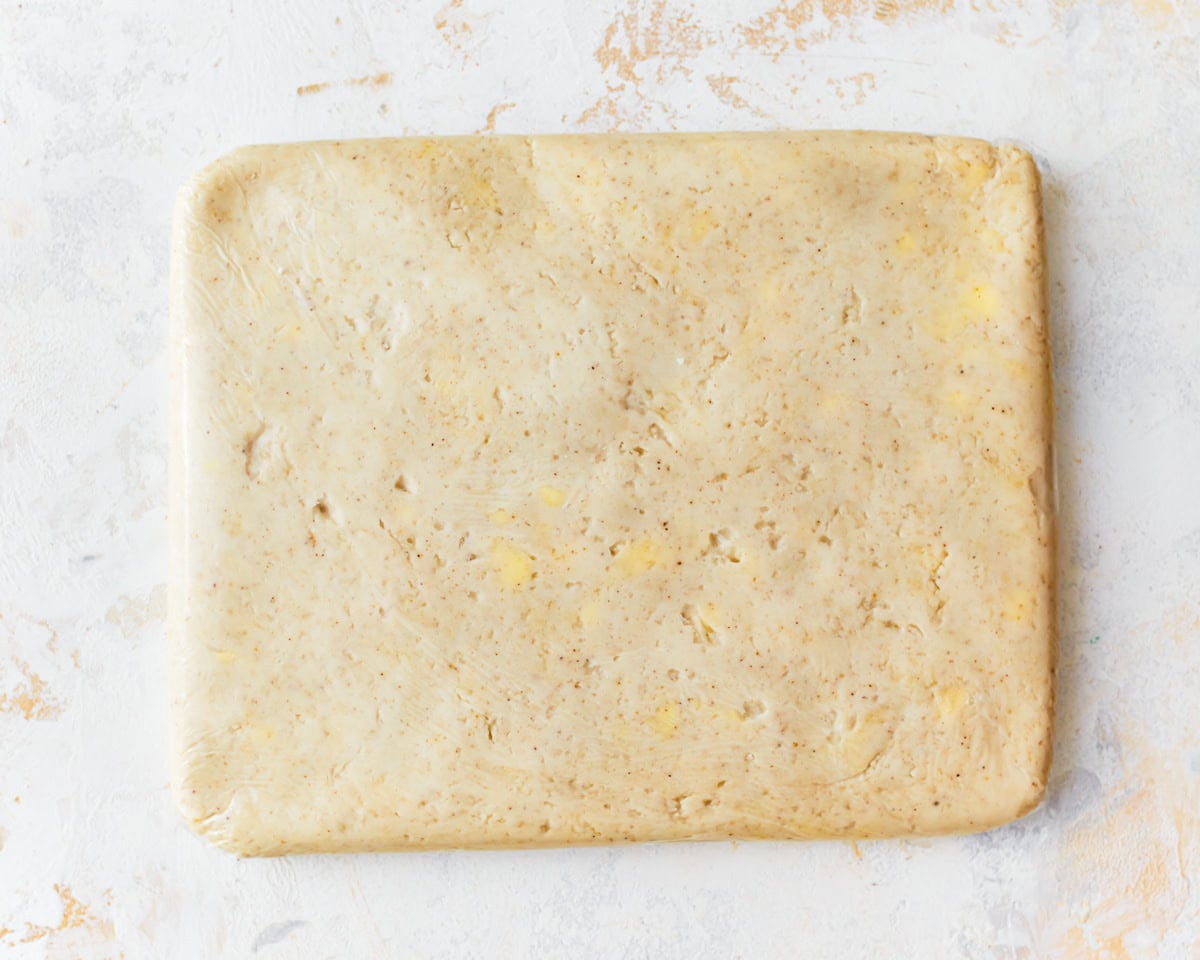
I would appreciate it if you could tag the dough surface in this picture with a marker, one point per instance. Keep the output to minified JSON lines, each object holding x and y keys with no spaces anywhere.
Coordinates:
{"x":585,"y":489}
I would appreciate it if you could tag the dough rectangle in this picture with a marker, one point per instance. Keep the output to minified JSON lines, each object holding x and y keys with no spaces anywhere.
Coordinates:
{"x":585,"y":489}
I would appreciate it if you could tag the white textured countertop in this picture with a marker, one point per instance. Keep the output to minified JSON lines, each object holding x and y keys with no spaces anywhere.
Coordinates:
{"x":105,"y":109}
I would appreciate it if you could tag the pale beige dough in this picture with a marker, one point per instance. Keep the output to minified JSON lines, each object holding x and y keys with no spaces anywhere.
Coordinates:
{"x":578,"y":489}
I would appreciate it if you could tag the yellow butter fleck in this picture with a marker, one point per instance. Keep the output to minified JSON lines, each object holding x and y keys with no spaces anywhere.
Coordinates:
{"x":768,"y":290}
{"x":552,"y":496}
{"x":477,"y":192}
{"x":589,"y":615}
{"x":665,"y":720}
{"x":975,"y":174}
{"x":514,"y":565}
{"x":950,"y":700}
{"x":739,"y":158}
{"x":1015,"y":367}
{"x":1018,"y":605}
{"x":979,"y":302}
{"x":501,"y":517}
{"x":734,"y":718}
{"x":702,"y":225}
{"x":640,"y":556}
{"x":982,"y":299}
{"x":993,"y":240}
{"x":226,"y":656}
{"x":834,"y":401}
{"x":945,"y":325}
{"x":905,"y":243}
{"x":958,"y":399}
{"x":404,"y":512}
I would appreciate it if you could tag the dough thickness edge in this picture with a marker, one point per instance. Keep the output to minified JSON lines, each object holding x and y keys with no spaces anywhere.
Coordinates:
{"x":204,"y":185}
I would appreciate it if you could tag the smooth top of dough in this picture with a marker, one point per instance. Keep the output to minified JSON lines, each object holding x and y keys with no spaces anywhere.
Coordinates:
{"x":550,"y":490}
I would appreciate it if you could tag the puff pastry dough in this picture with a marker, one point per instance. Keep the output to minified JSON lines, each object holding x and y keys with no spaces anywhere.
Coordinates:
{"x":582,"y":489}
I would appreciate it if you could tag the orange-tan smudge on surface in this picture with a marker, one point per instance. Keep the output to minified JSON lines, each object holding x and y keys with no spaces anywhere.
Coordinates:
{"x":645,"y":42}
{"x":649,"y":40}
{"x":889,"y":10}
{"x":489,"y":125}
{"x":1128,"y":869}
{"x":793,"y":26}
{"x":453,"y":26}
{"x":28,"y":698}
{"x":1159,"y":13}
{"x":648,"y":33}
{"x":854,"y":87}
{"x":52,"y":640}
{"x":375,"y":80}
{"x":723,"y":86}
{"x":371,"y":80}
{"x":78,"y":925}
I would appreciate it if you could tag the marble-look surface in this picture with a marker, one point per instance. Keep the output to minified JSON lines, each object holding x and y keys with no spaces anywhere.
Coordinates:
{"x":106,"y":107}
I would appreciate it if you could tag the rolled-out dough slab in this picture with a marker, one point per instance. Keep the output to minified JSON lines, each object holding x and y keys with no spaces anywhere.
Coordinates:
{"x":565,"y":490}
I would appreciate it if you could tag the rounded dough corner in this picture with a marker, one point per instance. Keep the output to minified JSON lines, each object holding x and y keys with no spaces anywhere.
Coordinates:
{"x":208,"y":193}
{"x":199,"y":812}
{"x":1015,"y":804}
